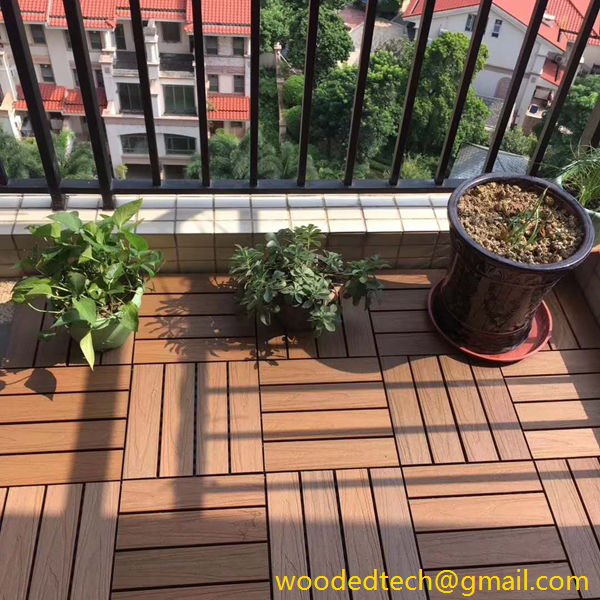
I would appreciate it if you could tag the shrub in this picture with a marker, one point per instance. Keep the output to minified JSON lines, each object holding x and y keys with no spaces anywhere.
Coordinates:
{"x":293,"y":117}
{"x":292,"y":91}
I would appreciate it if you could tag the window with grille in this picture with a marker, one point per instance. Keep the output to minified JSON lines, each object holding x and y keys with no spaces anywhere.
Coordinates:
{"x":211,"y":45}
{"x":179,"y":99}
{"x":47,"y":73}
{"x":171,"y":32}
{"x":120,"y":37}
{"x":213,"y":83}
{"x":37,"y":34}
{"x":180,"y":144}
{"x":130,"y":97}
{"x":95,"y":40}
{"x":496,"y":29}
{"x":470,"y":24}
{"x":238,"y":46}
{"x":238,"y":84}
{"x":134,"y":143}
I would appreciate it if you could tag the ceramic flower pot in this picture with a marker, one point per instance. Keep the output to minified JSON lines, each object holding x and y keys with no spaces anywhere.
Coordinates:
{"x":486,"y":302}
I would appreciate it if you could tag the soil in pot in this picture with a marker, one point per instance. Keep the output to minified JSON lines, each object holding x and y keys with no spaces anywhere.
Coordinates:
{"x":522,"y":225}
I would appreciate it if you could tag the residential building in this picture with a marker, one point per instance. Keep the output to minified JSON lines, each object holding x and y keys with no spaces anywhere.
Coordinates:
{"x":505,"y":31}
{"x":168,"y":38}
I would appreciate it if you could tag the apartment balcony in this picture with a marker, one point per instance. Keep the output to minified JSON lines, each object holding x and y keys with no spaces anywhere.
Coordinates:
{"x":177,"y":63}
{"x":125,"y":60}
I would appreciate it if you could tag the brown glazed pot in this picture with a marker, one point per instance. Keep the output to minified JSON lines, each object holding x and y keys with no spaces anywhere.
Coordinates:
{"x":487,"y":303}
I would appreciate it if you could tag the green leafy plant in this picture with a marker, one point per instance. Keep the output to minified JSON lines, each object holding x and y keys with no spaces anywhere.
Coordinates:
{"x":91,"y":276}
{"x":581,"y":177}
{"x":293,"y":270}
{"x":525,"y":227}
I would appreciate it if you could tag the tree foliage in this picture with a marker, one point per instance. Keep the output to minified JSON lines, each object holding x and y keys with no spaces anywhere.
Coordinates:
{"x":292,"y":91}
{"x":518,"y":142}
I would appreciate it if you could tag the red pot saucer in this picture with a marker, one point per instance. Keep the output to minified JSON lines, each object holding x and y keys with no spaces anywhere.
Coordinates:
{"x":540,"y":333}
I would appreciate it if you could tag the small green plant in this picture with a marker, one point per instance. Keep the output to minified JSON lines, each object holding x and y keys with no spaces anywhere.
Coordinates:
{"x":91,"y":276}
{"x":292,"y":269}
{"x":581,"y":177}
{"x":525,"y":227}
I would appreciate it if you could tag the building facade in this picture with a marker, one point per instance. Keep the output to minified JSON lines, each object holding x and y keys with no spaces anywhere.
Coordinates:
{"x":168,"y":42}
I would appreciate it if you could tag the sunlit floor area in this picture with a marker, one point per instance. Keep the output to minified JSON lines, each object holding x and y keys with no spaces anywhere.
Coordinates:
{"x":210,"y":457}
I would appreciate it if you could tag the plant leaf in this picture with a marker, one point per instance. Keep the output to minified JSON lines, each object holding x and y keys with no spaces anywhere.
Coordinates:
{"x":129,"y":316}
{"x":69,"y":220}
{"x":87,"y":348}
{"x":31,"y":288}
{"x":86,"y":255}
{"x":136,"y":241}
{"x":77,"y":281}
{"x":126,"y":212}
{"x":86,"y":308}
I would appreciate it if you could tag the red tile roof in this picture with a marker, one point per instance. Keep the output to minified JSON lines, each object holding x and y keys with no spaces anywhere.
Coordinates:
{"x":227,"y":107}
{"x":33,"y":11}
{"x":552,"y":72}
{"x":97,"y":14}
{"x":568,"y":15}
{"x":57,"y":98}
{"x":163,"y":10}
{"x":218,"y":17}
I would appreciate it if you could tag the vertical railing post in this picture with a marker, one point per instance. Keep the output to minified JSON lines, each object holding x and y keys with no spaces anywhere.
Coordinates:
{"x":90,"y":101}
{"x":201,"y":90}
{"x":254,"y":90}
{"x":309,"y":82}
{"x":35,"y":107}
{"x":551,"y":119}
{"x":463,"y":88}
{"x":142,"y":65}
{"x":411,"y":91}
{"x":361,"y":85}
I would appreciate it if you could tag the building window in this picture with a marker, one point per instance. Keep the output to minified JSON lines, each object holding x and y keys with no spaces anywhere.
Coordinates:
{"x":213,"y":83}
{"x":47,"y":73}
{"x":180,"y":144}
{"x":95,"y":40}
{"x":179,"y":99}
{"x":239,"y":46}
{"x":171,"y":32}
{"x":211,"y":45}
{"x":497,"y":26}
{"x":68,"y":40}
{"x":134,"y":143}
{"x":37,"y":34}
{"x":470,"y":24}
{"x":99,"y":78}
{"x":239,"y":84}
{"x":120,"y":37}
{"x":75,"y":78}
{"x":130,"y":97}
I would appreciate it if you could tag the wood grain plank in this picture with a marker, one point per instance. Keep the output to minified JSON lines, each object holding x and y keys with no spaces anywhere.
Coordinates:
{"x":54,"y":437}
{"x":322,"y":396}
{"x":286,"y":531}
{"x":480,"y":512}
{"x":329,"y":370}
{"x":563,"y":337}
{"x":212,"y":447}
{"x":559,"y":415}
{"x":271,"y":342}
{"x":323,"y":533}
{"x":406,"y":416}
{"x":23,"y":339}
{"x":154,"y":305}
{"x":120,"y":356}
{"x":247,"y":591}
{"x":190,"y":327}
{"x":332,"y":344}
{"x":578,"y":537}
{"x":564,"y":443}
{"x":191,"y":566}
{"x":217,"y":491}
{"x":190,"y":283}
{"x":402,"y":299}
{"x":402,"y":321}
{"x":586,"y":472}
{"x":54,"y":351}
{"x":395,"y":344}
{"x":301,"y":345}
{"x":20,"y":521}
{"x":143,"y":430}
{"x":470,"y":416}
{"x":485,"y":478}
{"x":60,"y":467}
{"x":360,"y":528}
{"x":437,"y":414}
{"x":455,"y":549}
{"x":194,"y":350}
{"x":560,"y":570}
{"x":63,"y":407}
{"x":326,"y":424}
{"x":395,"y":525}
{"x":410,"y":278}
{"x":177,"y":439}
{"x":191,"y":528}
{"x":500,"y":413}
{"x":554,"y":387}
{"x":330,"y":454}
{"x":95,"y":547}
{"x":244,"y":418}
{"x":557,"y":362}
{"x":357,"y":325}
{"x":56,"y":543}
{"x":57,"y":379}
{"x":578,"y":313}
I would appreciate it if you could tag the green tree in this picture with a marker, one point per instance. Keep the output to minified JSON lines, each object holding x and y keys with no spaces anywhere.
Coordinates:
{"x":293,"y":117}
{"x":334,"y":43}
{"x":292,"y":92}
{"x":275,"y":20}
{"x":518,"y":142}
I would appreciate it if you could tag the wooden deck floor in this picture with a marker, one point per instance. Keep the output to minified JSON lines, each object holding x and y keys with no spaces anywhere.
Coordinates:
{"x":208,"y":456}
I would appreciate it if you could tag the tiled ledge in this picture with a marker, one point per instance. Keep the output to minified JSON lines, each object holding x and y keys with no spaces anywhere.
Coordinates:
{"x":197,"y":233}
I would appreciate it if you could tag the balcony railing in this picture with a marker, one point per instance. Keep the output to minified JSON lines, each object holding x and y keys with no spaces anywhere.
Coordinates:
{"x":107,"y":185}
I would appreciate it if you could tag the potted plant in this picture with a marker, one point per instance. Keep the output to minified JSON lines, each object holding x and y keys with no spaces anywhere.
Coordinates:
{"x":294,"y":279}
{"x":581,"y":178}
{"x":513,"y":237}
{"x":91,"y":275}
